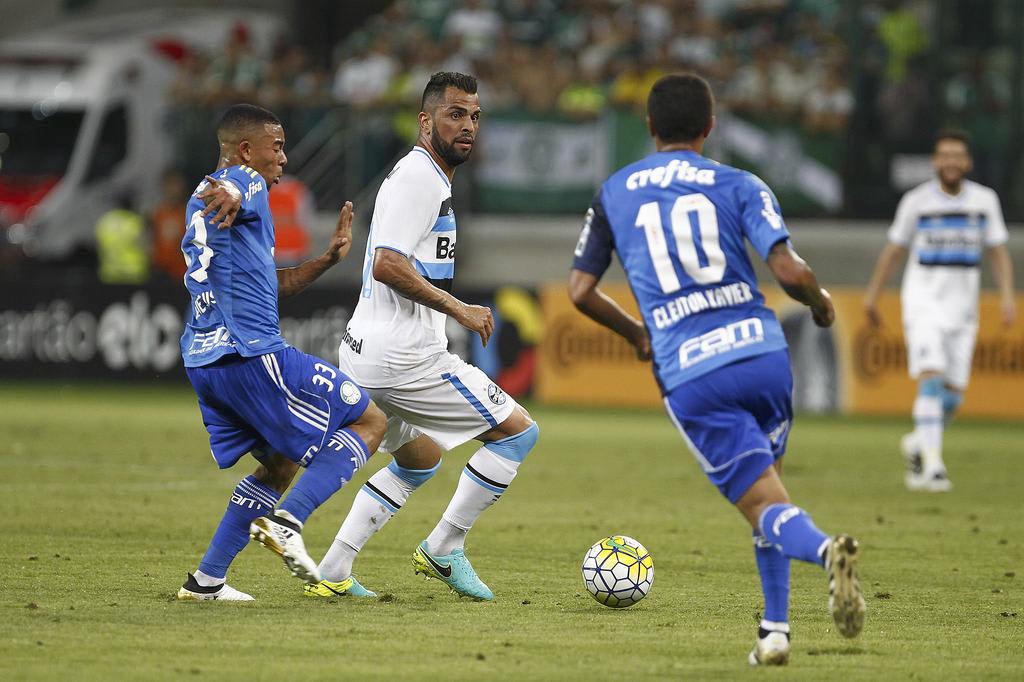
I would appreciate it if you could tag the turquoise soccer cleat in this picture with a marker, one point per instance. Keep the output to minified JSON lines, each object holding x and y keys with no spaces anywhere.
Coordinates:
{"x":454,"y":570}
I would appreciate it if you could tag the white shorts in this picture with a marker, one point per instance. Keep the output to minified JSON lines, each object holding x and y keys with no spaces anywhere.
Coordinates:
{"x":946,"y":351}
{"x":453,"y":404}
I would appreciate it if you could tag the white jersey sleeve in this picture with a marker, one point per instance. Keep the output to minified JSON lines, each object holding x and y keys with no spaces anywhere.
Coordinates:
{"x":904,"y":225}
{"x":995,"y":226}
{"x":406,"y":214}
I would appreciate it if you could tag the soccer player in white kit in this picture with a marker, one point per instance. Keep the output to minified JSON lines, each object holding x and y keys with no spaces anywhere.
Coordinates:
{"x":395,"y":347}
{"x":945,"y":224}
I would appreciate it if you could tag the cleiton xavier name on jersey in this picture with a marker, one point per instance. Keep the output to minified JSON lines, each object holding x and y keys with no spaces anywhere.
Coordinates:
{"x":679,"y":223}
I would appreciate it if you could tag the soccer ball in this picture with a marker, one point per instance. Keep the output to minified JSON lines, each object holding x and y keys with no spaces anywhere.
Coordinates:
{"x":618,"y":571}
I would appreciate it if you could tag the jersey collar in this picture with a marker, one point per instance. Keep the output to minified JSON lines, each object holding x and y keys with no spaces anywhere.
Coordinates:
{"x":421,"y":150}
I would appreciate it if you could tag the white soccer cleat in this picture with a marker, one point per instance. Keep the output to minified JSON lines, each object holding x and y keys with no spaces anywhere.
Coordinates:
{"x":845,"y":598}
{"x":917,"y":476}
{"x":282,"y":535}
{"x":910,"y":448}
{"x":771,"y":648}
{"x":932,"y":482}
{"x":193,"y":591}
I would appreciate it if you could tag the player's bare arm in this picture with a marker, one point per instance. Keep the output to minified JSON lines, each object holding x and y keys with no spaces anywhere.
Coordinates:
{"x":395,"y":270}
{"x":598,"y":306}
{"x":797,"y":279}
{"x":1002,"y":269}
{"x":224,"y":197}
{"x":887,"y":260}
{"x":291,"y":281}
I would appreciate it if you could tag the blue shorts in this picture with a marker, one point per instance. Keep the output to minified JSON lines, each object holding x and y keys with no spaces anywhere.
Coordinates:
{"x":736,"y":419}
{"x":286,"y":402}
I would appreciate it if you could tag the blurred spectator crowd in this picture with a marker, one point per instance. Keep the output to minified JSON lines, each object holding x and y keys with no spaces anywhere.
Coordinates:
{"x":769,"y":58}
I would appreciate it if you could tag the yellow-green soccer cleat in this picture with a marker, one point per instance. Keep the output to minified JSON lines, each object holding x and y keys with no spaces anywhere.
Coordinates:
{"x":454,"y":570}
{"x":349,"y":587}
{"x":845,"y":599}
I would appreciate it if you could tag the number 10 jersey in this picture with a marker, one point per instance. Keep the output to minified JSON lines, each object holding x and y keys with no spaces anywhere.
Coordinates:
{"x":678,"y":222}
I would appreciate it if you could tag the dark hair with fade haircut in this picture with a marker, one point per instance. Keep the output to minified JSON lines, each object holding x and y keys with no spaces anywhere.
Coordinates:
{"x":239,"y":119}
{"x":680,"y":107}
{"x":953,"y":134}
{"x":441,"y":81}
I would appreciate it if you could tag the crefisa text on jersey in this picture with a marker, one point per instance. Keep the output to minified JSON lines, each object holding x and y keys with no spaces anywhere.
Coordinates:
{"x":662,"y":176}
{"x":717,"y":297}
{"x":254,"y":187}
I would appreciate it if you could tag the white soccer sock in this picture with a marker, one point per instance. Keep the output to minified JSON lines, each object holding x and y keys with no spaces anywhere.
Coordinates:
{"x":483,"y":481}
{"x":207,"y":580}
{"x":928,"y":428}
{"x":377,"y":501}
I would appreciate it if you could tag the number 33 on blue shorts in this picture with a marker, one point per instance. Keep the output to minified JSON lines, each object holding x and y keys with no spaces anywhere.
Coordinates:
{"x":285,"y":401}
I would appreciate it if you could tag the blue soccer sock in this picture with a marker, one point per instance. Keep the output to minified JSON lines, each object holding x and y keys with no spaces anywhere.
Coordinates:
{"x":774,"y":570}
{"x":249,"y":501}
{"x":790,"y":528}
{"x":331,"y":468}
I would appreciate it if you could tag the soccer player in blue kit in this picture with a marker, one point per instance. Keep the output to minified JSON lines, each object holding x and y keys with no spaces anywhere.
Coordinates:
{"x":678,"y":222}
{"x":256,"y":393}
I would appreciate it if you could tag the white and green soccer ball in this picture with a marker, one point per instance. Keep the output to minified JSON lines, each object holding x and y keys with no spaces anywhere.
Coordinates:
{"x":618,"y":571}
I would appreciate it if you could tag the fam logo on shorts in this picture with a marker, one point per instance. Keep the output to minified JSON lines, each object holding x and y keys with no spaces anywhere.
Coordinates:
{"x":495,"y":394}
{"x":350,"y":393}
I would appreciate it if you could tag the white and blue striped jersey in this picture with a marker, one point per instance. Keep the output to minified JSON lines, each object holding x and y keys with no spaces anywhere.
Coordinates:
{"x":391,"y":340}
{"x":947,"y":236}
{"x":679,"y":223}
{"x":231,"y":277}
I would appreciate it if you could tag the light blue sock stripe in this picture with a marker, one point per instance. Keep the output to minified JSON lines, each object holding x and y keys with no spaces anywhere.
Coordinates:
{"x":516,"y":448}
{"x":470,"y":398}
{"x":950,"y":402}
{"x":380,"y":499}
{"x":476,"y":479}
{"x":414,"y":477}
{"x":932,"y":386}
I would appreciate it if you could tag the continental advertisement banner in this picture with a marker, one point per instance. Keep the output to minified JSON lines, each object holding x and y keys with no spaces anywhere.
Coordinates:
{"x":852,"y":368}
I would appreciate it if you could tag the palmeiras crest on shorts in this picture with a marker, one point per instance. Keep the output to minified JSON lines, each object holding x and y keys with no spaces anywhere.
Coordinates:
{"x":495,"y":394}
{"x":350,"y":393}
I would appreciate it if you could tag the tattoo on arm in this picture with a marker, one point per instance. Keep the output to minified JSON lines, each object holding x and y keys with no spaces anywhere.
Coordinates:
{"x":291,"y":281}
{"x":400,"y":276}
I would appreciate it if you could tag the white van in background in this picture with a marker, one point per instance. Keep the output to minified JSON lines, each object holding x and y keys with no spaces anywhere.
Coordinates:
{"x":82,"y":119}
{"x":79,"y":126}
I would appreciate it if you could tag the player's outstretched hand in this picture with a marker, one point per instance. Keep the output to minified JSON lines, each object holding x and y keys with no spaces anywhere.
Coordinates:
{"x":824,"y":313}
{"x":223,"y":197}
{"x":642,"y":343}
{"x":341,"y":240}
{"x":478,"y":319}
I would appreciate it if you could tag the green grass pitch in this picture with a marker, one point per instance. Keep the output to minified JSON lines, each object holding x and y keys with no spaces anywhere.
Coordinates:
{"x":110,"y":496}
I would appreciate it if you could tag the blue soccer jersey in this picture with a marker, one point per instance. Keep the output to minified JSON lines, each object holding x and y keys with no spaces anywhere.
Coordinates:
{"x":679,"y":222}
{"x":232,"y":277}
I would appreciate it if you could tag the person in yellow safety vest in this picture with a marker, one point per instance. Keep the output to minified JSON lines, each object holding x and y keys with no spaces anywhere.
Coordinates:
{"x":121,"y":246}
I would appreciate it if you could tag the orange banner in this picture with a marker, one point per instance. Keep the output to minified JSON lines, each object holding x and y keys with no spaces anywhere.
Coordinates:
{"x":583,"y":363}
{"x":851,"y":368}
